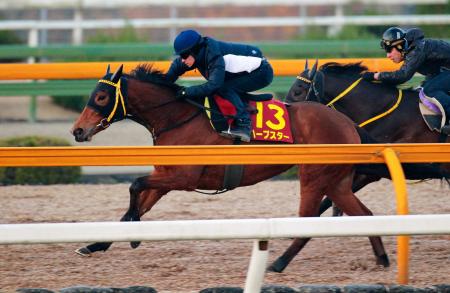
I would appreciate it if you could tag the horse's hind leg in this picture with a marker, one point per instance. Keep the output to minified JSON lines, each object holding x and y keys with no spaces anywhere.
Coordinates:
{"x":309,"y":207}
{"x":380,"y":254}
{"x":352,"y":206}
{"x":359,"y":181}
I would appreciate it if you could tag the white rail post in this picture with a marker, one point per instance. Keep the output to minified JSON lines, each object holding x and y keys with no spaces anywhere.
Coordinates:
{"x":77,"y":32}
{"x":257,"y":267}
{"x":33,"y":41}
{"x":173,"y":28}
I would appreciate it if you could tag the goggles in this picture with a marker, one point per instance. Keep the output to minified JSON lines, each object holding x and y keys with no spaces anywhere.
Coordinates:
{"x":389,"y":45}
{"x":185,"y":55}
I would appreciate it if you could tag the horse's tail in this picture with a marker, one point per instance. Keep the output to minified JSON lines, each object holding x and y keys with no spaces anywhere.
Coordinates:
{"x":413,"y":171}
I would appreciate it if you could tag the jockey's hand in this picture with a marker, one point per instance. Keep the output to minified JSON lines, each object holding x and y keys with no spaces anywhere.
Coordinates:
{"x":181,"y":93}
{"x":368,"y":76}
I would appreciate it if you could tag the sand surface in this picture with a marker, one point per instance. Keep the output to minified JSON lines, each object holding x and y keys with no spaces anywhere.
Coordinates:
{"x":188,"y":266}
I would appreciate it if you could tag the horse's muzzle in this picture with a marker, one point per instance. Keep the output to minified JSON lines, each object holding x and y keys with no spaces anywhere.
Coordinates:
{"x":80,"y":135}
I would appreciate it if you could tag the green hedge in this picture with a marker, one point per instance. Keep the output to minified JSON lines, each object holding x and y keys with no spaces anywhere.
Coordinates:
{"x":37,"y":175}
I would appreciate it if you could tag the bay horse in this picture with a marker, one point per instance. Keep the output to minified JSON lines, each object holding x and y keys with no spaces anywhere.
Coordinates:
{"x":147,"y":97}
{"x":388,"y":114}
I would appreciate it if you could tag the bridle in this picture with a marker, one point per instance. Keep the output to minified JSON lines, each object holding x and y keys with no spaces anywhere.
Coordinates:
{"x":106,"y":122}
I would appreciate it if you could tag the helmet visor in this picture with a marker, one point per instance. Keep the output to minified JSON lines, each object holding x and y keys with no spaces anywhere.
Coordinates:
{"x":386,"y":46}
{"x":185,"y":55}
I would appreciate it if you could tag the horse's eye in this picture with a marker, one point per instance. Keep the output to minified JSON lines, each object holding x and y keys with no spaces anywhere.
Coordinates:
{"x":101,"y":99}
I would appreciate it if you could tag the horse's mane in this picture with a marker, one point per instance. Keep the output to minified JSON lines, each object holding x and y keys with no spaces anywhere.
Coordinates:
{"x":352,"y":70}
{"x":146,"y":73}
{"x":347,"y":69}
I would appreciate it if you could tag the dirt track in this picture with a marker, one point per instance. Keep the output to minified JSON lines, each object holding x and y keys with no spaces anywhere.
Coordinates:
{"x":188,"y":266}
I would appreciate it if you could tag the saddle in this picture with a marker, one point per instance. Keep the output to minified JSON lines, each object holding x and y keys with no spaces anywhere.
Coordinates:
{"x":432,"y":112}
{"x":270,"y":119}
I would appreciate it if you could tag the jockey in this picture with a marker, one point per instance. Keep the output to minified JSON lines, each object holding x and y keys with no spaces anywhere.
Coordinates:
{"x":230,"y":69}
{"x":429,"y":57}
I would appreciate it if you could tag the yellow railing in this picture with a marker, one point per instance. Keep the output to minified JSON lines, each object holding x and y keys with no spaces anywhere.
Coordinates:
{"x":391,"y":154}
{"x":94,"y":70}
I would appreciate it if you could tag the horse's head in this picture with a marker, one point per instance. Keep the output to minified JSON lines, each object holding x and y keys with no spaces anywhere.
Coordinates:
{"x":305,"y":87}
{"x":106,"y":105}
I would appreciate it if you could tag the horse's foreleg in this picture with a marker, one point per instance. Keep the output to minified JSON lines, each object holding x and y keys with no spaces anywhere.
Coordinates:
{"x":148,"y":199}
{"x":138,"y":185}
{"x":325,"y":205}
{"x":281,"y":262}
{"x":132,"y":214}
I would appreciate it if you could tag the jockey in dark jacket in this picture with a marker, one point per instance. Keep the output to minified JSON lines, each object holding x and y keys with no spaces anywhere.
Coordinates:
{"x":230,"y":69}
{"x":428,"y":57}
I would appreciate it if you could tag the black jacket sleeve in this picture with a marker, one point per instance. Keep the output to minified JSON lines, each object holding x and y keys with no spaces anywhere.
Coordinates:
{"x":176,"y":69}
{"x":413,"y":61}
{"x":216,"y":76}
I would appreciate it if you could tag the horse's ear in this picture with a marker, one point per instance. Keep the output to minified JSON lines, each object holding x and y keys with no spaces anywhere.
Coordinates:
{"x":107,"y":70}
{"x":313,"y":70}
{"x":117,"y":75}
{"x":306,"y":65}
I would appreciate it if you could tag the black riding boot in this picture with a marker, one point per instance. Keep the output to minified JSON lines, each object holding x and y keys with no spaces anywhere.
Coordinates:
{"x":242,"y":129}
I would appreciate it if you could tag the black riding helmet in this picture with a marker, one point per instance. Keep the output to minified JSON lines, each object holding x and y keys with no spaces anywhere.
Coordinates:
{"x":394,"y":37}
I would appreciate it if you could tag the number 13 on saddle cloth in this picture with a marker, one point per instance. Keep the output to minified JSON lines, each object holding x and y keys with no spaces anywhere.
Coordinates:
{"x":269,"y":123}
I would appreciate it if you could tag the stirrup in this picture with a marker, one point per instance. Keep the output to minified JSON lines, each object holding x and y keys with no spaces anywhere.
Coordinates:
{"x":232,"y":135}
{"x":445,"y":129}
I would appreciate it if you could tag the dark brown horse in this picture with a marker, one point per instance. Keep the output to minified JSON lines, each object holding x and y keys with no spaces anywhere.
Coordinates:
{"x":148,"y":98}
{"x":340,"y":86}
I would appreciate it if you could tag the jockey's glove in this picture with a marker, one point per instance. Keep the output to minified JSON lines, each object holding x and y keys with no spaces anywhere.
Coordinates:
{"x":181,"y":93}
{"x":368,"y":76}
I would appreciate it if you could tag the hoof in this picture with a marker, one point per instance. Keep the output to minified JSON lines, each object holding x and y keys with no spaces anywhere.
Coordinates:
{"x":83,"y":251}
{"x":135,"y":244}
{"x":383,"y":260}
{"x":277,"y":266}
{"x":273,"y":269}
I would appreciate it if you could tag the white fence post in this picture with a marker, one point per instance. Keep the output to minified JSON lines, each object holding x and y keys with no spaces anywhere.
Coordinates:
{"x":77,"y":33}
{"x":257,"y":266}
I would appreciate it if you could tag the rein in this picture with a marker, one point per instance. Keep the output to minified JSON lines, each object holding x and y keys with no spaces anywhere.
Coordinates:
{"x":346,"y":91}
{"x":106,"y":122}
{"x":370,"y":120}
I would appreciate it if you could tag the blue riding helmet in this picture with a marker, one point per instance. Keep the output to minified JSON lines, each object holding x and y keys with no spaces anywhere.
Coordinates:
{"x":185,"y":41}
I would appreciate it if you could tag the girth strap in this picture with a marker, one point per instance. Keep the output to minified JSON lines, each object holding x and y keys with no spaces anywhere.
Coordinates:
{"x":399,"y":99}
{"x":233,"y":176}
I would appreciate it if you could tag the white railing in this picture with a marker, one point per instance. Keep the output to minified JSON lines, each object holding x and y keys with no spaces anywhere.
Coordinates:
{"x":271,"y":228}
{"x":334,"y":23}
{"x":225,"y":22}
{"x":259,"y":229}
{"x":79,"y":24}
{"x":4,"y":4}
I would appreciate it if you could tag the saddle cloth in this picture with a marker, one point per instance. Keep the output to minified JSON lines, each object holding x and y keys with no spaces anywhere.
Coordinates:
{"x":270,"y":121}
{"x":432,"y":112}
